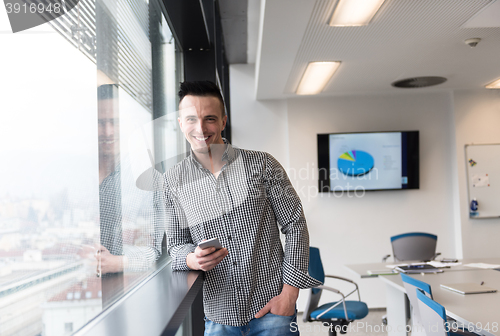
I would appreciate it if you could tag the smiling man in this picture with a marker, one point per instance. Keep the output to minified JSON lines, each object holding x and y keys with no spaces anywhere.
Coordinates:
{"x":202,"y":119}
{"x":243,"y":198}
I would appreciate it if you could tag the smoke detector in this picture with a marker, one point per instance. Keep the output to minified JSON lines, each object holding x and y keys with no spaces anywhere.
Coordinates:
{"x":472,"y":42}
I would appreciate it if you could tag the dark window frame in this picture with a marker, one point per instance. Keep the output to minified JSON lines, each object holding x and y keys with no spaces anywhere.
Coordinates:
{"x":170,"y":298}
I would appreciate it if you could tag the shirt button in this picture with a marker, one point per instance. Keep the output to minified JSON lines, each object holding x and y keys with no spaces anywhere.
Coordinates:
{"x":235,"y":263}
{"x":229,"y":237}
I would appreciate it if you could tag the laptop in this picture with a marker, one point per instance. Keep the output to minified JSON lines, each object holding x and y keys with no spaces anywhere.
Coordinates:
{"x":382,"y":272}
{"x":468,"y":288}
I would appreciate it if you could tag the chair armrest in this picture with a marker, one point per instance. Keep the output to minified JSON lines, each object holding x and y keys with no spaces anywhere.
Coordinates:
{"x":335,"y":305}
{"x":340,"y":278}
{"x":331,"y":289}
{"x":347,"y":280}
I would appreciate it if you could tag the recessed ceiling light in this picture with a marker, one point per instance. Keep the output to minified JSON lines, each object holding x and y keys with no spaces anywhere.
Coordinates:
{"x":355,"y":12}
{"x":494,"y":85}
{"x":316,"y":77}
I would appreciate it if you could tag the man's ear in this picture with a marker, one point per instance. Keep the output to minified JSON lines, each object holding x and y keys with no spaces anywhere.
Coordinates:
{"x":179,"y":120}
{"x":224,"y":121}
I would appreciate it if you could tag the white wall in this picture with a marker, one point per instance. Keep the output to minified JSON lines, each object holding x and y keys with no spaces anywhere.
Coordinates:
{"x":368,"y":221}
{"x":352,"y":230}
{"x":477,"y":120}
{"x":257,"y":125}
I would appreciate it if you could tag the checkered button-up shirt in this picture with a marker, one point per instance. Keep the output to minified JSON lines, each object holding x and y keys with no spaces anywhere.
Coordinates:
{"x":132,"y":220}
{"x":241,"y":207}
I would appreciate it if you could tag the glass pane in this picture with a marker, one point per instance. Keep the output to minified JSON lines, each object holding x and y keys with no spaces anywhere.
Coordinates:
{"x":83,"y":143}
{"x":49,"y":200}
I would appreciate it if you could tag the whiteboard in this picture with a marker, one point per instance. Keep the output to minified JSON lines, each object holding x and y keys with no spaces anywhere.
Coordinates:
{"x":483,"y":179}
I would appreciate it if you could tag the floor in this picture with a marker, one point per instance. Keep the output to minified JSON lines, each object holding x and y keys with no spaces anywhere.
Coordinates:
{"x":370,"y":325}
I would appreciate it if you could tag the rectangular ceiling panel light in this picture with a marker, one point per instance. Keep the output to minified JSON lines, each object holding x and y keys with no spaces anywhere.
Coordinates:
{"x":316,"y":77}
{"x":494,"y":85}
{"x":355,"y":12}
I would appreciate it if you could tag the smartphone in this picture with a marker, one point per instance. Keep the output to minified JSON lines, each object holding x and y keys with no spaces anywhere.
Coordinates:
{"x":214,"y":242}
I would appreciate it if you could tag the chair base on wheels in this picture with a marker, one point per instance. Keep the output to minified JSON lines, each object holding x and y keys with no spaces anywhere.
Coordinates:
{"x":335,"y":327}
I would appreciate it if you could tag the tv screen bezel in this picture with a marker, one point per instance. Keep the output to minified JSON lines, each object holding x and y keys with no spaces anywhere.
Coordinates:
{"x":411,"y":158}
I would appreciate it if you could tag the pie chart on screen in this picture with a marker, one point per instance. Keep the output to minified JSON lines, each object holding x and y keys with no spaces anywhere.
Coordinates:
{"x":355,"y":163}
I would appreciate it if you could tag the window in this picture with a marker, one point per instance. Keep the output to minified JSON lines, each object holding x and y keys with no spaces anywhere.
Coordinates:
{"x":68,"y":327}
{"x":83,"y":140}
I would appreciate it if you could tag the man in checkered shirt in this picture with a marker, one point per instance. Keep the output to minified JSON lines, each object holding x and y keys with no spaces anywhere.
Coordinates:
{"x":238,"y":196}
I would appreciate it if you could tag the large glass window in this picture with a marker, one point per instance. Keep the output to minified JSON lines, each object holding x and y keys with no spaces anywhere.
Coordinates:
{"x":87,"y":126}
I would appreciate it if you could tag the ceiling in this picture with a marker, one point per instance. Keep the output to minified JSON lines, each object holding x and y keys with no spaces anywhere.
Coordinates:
{"x":406,"y":38}
{"x":233,"y":15}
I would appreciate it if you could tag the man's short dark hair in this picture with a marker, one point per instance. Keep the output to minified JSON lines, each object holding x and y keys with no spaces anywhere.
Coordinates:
{"x":201,"y":89}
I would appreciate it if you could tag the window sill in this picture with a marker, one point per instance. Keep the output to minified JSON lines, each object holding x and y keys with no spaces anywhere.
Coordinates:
{"x":155,"y":307}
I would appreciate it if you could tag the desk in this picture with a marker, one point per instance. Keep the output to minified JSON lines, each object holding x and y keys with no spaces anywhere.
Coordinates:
{"x":464,"y":308}
{"x":361,"y":269}
{"x":478,"y":309}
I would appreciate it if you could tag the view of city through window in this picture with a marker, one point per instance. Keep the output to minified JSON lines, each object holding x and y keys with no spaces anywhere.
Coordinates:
{"x":82,"y":141}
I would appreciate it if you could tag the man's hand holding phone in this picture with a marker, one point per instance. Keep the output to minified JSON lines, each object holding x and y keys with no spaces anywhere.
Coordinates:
{"x":208,"y":254}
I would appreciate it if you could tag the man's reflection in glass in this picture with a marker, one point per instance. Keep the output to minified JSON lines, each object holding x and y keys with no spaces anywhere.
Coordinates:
{"x":131,"y":219}
{"x":110,"y":252}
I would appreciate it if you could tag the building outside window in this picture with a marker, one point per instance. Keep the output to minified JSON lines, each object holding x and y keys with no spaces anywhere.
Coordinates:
{"x":87,"y":126}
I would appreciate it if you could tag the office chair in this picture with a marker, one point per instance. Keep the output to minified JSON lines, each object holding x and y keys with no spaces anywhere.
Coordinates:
{"x":336,"y":314}
{"x":411,"y":285}
{"x":413,"y":246}
{"x":433,"y":317}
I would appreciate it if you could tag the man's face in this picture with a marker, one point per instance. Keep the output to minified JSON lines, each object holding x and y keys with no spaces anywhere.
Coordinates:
{"x":108,"y":130}
{"x":201,"y":121}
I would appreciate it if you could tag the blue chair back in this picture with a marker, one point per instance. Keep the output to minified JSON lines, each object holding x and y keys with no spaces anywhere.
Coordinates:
{"x":316,"y":267}
{"x":315,"y":270}
{"x":413,"y":234}
{"x":414,"y":246}
{"x":408,"y":280}
{"x":412,"y":286}
{"x":433,"y":315}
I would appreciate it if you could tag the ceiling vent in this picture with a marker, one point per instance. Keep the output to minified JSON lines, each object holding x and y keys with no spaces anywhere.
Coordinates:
{"x":418,"y":82}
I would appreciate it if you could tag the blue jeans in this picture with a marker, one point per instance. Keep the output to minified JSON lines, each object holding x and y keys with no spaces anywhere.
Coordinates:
{"x":267,"y":325}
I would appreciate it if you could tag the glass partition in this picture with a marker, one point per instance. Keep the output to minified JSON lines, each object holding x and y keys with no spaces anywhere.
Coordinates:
{"x":87,"y":125}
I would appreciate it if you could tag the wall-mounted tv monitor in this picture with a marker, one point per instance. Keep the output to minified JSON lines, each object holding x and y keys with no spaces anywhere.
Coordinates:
{"x":368,"y":161}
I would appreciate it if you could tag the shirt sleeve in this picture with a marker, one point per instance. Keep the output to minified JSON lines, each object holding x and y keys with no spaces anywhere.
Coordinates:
{"x":289,"y":214}
{"x":179,"y":241}
{"x":147,"y":249}
{"x":140,"y":258}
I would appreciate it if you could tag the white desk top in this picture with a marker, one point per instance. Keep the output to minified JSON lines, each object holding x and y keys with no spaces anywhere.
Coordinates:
{"x":478,"y":309}
{"x":361,"y":269}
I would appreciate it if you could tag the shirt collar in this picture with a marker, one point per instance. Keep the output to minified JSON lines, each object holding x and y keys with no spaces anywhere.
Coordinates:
{"x":228,"y":155}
